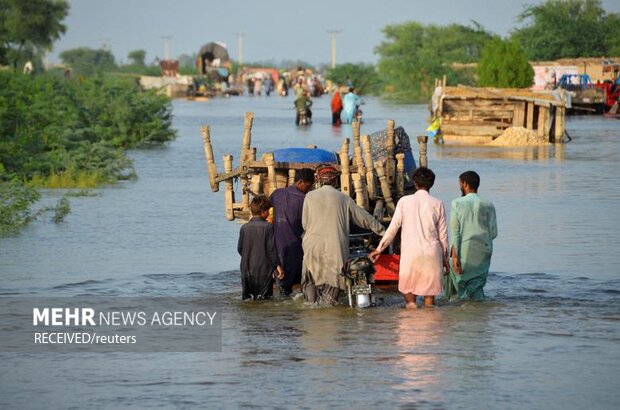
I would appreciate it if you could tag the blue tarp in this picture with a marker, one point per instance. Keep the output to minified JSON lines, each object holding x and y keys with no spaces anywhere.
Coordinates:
{"x":305,"y":155}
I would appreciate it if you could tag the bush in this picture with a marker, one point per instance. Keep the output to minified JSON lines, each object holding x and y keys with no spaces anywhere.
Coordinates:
{"x":364,"y":77}
{"x":61,"y":133}
{"x":504,"y":64}
{"x":15,"y":202}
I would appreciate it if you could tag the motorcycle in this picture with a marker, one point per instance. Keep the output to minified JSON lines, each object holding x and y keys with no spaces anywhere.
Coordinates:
{"x":358,"y":114}
{"x":359,"y":272}
{"x":304,"y":119}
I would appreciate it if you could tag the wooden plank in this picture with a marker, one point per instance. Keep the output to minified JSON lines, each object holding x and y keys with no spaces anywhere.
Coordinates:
{"x":345,"y":176}
{"x":543,"y":131}
{"x":473,"y":100}
{"x":481,"y":118}
{"x":519,"y":115}
{"x":370,"y":170}
{"x":476,"y":123}
{"x":468,"y":139}
{"x":490,"y":105}
{"x":472,"y":130}
{"x":229,"y":194}
{"x":558,"y":134}
{"x":529,"y":123}
{"x":247,"y":137}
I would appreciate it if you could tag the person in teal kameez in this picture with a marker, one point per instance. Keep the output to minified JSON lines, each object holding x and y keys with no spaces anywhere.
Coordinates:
{"x":473,"y":226}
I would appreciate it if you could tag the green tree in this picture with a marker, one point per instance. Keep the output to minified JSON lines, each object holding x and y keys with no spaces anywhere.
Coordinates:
{"x":566,"y":29}
{"x":414,"y":55}
{"x":28,"y":28}
{"x":87,"y":61}
{"x":504,"y":64}
{"x":137,"y":57}
{"x":612,"y":38}
{"x":364,"y":77}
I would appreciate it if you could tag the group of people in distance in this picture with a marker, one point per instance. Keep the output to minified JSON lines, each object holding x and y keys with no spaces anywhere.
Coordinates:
{"x":307,"y":241}
{"x":345,"y":108}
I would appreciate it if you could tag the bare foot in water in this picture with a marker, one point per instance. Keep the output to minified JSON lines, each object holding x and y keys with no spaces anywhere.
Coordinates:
{"x":411,"y":305}
{"x":429,"y":301}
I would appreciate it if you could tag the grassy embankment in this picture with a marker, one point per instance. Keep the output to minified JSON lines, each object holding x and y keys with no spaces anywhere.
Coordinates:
{"x":59,"y":133}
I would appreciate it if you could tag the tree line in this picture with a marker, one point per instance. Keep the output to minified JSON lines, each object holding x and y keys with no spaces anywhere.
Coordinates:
{"x":413,"y":55}
{"x":59,"y":130}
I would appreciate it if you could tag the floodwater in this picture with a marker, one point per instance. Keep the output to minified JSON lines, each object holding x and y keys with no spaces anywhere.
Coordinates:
{"x":547,"y":337}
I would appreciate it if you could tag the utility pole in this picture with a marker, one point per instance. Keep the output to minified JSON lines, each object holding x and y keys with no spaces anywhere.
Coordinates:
{"x":240,"y":47}
{"x":166,"y":46}
{"x":105,"y":44}
{"x":333,"y":33}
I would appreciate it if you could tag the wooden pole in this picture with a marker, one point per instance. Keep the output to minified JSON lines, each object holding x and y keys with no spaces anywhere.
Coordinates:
{"x":558,"y":136}
{"x":211,"y":167}
{"x":355,"y":127}
{"x":291,"y":177}
{"x":530,"y":116}
{"x":379,"y":211}
{"x":390,"y":165}
{"x":370,"y":173}
{"x":358,"y":162}
{"x":400,"y":175}
{"x":355,"y":133}
{"x":247,"y":138}
{"x":345,"y":175}
{"x":229,"y":195}
{"x":518,"y":119}
{"x":245,"y":194}
{"x":271,"y":173}
{"x":256,"y":184}
{"x":385,"y":187}
{"x":422,"y":145}
{"x":542,"y":123}
{"x":361,"y":196}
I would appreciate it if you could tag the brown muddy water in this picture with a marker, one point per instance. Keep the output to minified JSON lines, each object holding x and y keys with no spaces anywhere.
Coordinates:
{"x":547,"y":337}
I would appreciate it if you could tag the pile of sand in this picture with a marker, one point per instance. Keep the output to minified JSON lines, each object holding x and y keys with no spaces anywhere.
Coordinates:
{"x":517,"y":136}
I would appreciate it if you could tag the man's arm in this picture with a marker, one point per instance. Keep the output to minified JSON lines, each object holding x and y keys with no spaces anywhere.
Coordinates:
{"x":493,"y":223}
{"x":455,"y":233}
{"x":390,"y":233}
{"x":442,"y":229}
{"x":304,"y":214}
{"x":270,"y":245}
{"x":364,"y":219}
{"x":240,"y":242}
{"x":455,"y":227}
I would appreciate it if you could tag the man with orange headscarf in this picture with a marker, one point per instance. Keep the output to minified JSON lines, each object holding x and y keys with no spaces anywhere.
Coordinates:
{"x":326,"y":217}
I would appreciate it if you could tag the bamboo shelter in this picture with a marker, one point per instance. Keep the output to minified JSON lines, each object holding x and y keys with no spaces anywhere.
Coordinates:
{"x":480,"y":115}
{"x":375,"y":169}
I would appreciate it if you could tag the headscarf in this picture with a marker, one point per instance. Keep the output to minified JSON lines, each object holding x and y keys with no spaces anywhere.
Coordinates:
{"x":327,"y":175}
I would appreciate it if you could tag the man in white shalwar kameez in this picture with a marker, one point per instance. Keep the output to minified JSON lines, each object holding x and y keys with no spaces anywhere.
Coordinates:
{"x":326,"y":217}
{"x":424,"y":241}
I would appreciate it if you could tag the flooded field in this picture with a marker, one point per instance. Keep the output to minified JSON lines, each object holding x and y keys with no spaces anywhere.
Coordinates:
{"x":547,"y":337}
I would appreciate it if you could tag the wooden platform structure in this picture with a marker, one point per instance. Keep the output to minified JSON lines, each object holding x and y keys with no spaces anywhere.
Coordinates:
{"x":375,"y":185}
{"x":479,"y":115}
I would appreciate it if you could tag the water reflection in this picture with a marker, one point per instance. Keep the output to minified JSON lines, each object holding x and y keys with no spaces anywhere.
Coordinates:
{"x":321,"y":334}
{"x":530,"y":153}
{"x":448,"y":349}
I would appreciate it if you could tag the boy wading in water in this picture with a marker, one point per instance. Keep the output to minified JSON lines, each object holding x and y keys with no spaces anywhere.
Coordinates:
{"x":424,"y":241}
{"x":259,"y":257}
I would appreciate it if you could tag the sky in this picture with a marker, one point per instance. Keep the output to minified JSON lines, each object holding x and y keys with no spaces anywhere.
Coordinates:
{"x":274,"y":30}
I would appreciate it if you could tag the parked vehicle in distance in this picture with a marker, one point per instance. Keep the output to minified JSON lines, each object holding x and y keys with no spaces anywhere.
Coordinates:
{"x":585,"y":96}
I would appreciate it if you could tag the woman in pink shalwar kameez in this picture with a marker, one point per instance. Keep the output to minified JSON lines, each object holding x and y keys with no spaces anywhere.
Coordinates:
{"x":424,"y":241}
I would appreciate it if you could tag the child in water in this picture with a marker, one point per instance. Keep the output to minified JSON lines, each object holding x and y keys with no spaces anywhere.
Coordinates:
{"x":259,"y":257}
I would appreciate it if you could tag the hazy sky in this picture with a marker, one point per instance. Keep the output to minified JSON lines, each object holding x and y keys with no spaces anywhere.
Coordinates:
{"x":274,"y":29}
